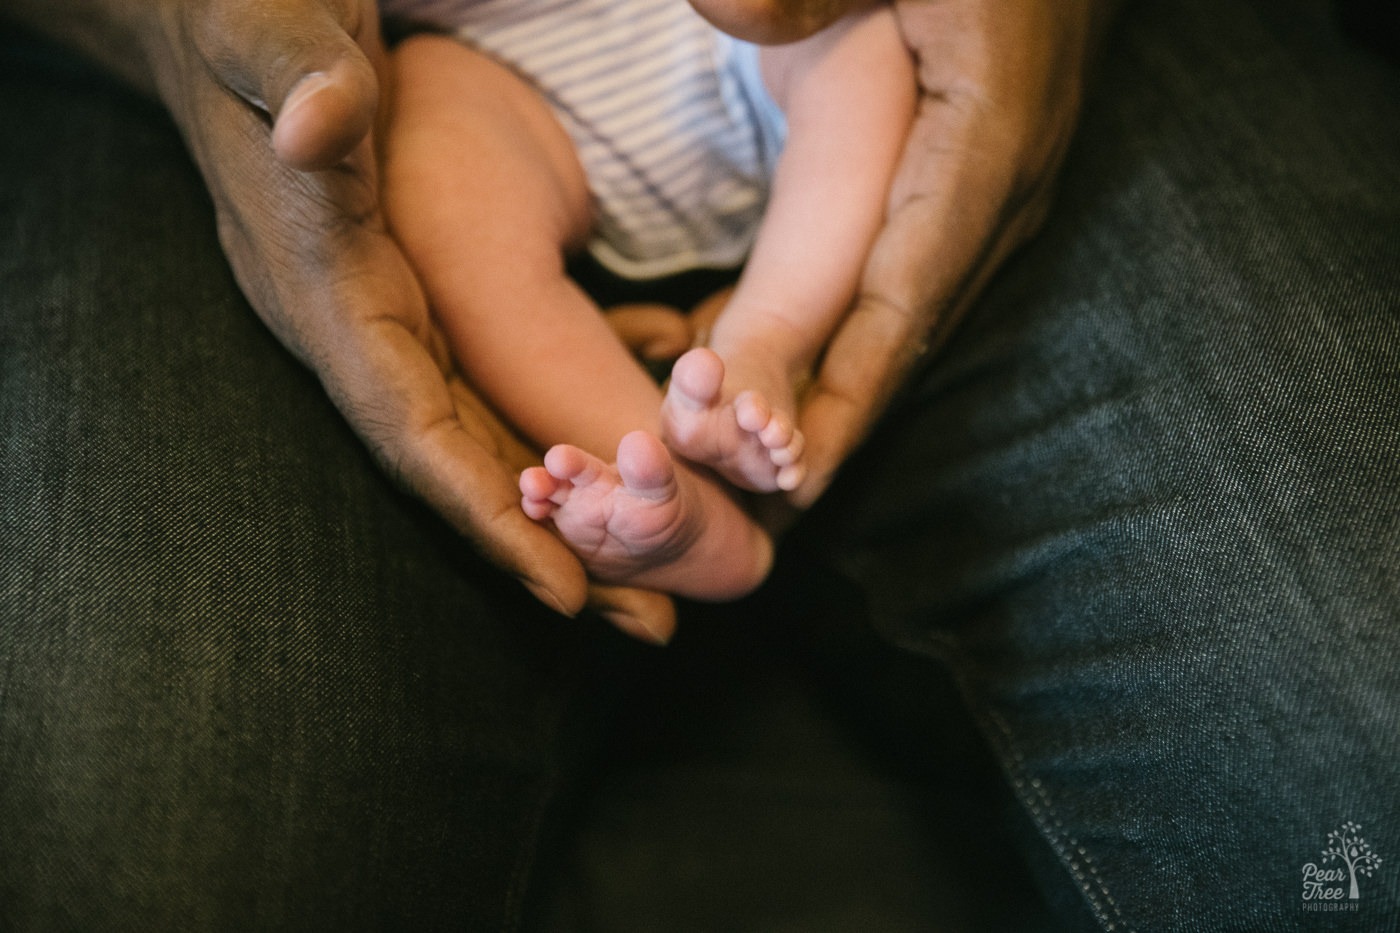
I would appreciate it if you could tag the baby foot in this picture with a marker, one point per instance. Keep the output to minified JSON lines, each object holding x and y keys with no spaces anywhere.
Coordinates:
{"x":741,"y":437}
{"x":644,"y":521}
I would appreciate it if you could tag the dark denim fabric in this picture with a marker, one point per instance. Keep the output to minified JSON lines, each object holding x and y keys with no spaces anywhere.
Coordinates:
{"x":1146,"y":507}
{"x":244,"y":684}
{"x":1150,"y":507}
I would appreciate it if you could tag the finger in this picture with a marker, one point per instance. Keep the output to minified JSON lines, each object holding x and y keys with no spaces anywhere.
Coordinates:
{"x":324,"y":116}
{"x":363,"y":326}
{"x":906,"y":309}
{"x":412,"y":426}
{"x":648,"y":616}
{"x":644,"y":615}
{"x":704,"y":315}
{"x":370,"y":341}
{"x":651,"y":331}
{"x":306,"y":63}
{"x":311,"y":252}
{"x":973,"y":184}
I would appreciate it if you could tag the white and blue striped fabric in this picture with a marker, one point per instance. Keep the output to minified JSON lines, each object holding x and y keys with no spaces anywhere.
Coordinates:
{"x":673,"y":126}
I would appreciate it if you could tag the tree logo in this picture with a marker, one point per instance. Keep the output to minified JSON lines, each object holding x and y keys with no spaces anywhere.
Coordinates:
{"x":1347,"y":858}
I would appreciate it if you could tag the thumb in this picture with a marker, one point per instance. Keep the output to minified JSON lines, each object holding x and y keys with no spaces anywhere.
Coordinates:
{"x":306,"y":65}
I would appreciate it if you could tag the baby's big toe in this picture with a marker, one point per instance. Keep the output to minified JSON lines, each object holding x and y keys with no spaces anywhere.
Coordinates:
{"x":644,"y":464}
{"x":697,"y":377}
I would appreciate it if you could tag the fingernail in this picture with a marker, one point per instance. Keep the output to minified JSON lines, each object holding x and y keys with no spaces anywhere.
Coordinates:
{"x":546,"y":596}
{"x":638,"y":629}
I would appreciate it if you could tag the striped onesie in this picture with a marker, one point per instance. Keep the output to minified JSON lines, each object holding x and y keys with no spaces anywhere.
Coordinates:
{"x":670,"y":118}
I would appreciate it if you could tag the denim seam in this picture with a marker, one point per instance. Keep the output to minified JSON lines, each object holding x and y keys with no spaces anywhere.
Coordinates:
{"x":1034,"y":796}
{"x":1045,"y":814}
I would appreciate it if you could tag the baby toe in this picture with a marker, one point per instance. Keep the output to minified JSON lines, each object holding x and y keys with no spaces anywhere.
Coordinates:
{"x":792,"y":452}
{"x":537,"y":488}
{"x":568,"y":463}
{"x":752,"y":412}
{"x":537,"y":483}
{"x":643,"y":463}
{"x":697,"y":378}
{"x":777,"y":433}
{"x":790,"y":477}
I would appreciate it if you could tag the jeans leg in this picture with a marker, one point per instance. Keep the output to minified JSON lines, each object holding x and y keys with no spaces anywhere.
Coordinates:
{"x":1147,"y":504}
{"x":244,"y":683}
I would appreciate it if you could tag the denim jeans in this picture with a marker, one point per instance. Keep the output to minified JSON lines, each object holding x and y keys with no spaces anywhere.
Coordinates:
{"x":1145,"y":507}
{"x":244,"y":683}
{"x":1151,"y":494}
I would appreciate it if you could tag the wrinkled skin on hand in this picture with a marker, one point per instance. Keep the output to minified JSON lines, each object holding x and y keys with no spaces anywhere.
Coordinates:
{"x":1000,"y":88}
{"x":1000,"y":84}
{"x":278,"y":101}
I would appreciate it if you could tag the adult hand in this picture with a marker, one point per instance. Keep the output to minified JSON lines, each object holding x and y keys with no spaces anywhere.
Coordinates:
{"x":1000,"y":84}
{"x":277,"y":100}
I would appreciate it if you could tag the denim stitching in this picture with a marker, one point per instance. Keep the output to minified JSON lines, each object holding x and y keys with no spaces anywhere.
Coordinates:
{"x":1042,"y":809}
{"x":1052,"y":827}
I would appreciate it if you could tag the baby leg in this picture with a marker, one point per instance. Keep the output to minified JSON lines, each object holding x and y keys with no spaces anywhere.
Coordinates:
{"x":848,"y":93}
{"x":485,"y":193}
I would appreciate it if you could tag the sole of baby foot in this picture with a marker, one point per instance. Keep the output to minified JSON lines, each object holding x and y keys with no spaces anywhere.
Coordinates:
{"x":647,"y":521}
